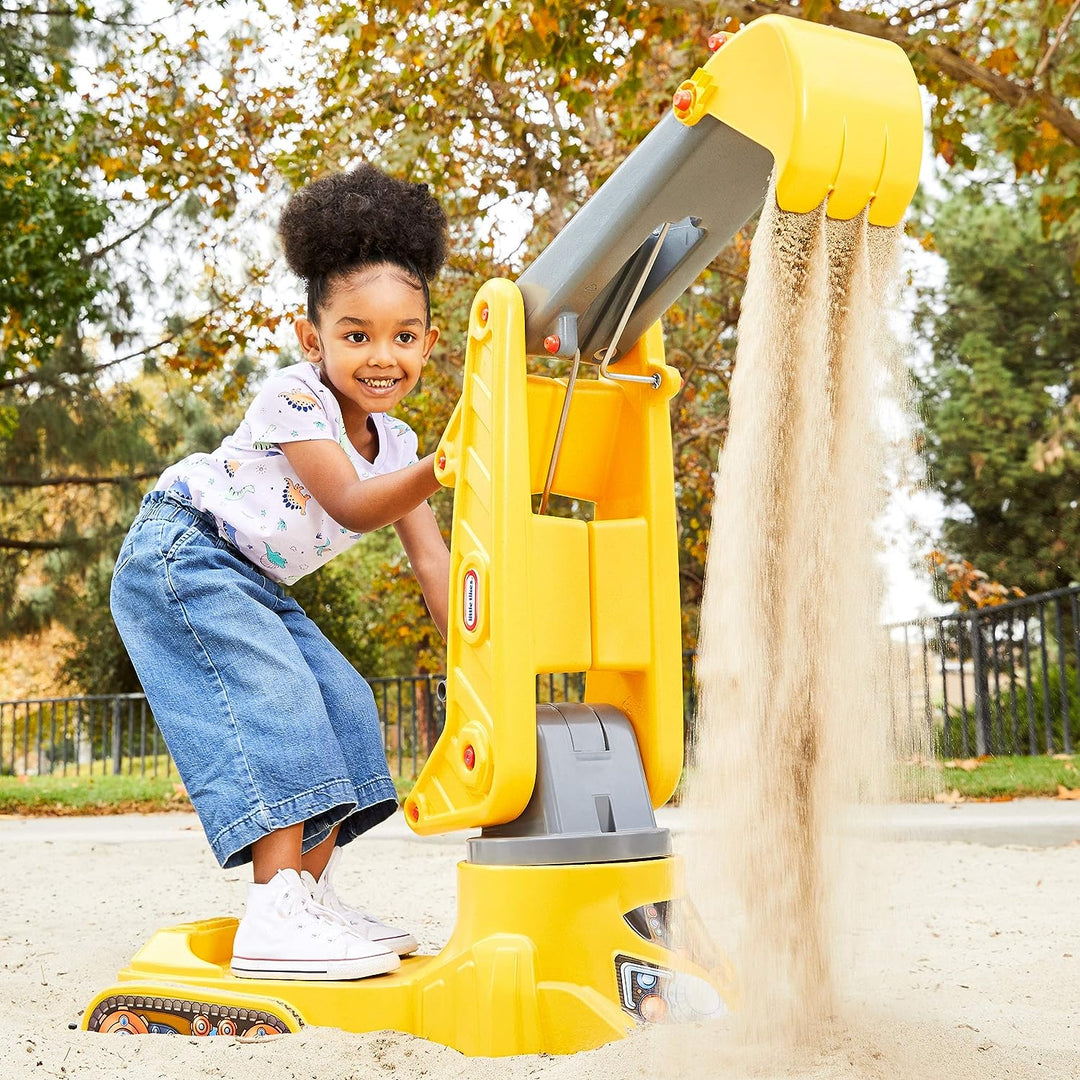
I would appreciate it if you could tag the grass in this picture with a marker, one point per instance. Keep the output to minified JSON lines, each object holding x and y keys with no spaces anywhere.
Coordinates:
{"x":60,"y":796}
{"x":998,"y":777}
{"x":63,"y":796}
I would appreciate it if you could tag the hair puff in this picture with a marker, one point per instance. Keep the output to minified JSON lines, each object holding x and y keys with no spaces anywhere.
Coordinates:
{"x":362,"y":216}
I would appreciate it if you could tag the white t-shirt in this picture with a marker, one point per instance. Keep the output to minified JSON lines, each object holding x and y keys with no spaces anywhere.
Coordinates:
{"x":247,"y":484}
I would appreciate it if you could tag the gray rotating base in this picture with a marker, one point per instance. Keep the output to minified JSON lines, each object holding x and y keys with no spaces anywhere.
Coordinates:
{"x":591,"y":802}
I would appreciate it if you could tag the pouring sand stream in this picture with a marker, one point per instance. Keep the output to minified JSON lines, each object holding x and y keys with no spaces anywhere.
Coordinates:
{"x":792,"y":725}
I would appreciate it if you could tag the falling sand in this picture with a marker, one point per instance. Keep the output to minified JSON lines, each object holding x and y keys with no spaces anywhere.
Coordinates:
{"x":790,"y":729}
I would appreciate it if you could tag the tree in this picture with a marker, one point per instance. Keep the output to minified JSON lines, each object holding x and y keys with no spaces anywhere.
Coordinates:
{"x":1001,"y":397}
{"x":108,"y":270}
{"x":193,"y":127}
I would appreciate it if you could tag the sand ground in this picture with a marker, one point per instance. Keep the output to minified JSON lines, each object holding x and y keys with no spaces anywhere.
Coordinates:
{"x":965,"y":964}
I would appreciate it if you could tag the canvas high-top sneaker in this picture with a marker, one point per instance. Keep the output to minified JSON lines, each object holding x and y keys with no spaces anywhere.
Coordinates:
{"x":322,"y":891}
{"x":286,"y":934}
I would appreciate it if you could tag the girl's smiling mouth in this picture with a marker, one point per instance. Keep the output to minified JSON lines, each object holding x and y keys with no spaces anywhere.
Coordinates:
{"x":383,"y":383}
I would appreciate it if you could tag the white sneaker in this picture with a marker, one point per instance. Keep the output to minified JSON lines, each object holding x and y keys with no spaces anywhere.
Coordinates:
{"x":285,"y":934}
{"x":322,"y":891}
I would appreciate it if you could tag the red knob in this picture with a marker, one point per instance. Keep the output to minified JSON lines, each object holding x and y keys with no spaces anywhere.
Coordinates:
{"x":552,"y":343}
{"x":682,"y":100}
{"x":441,"y":462}
{"x":714,"y":41}
{"x":483,"y":314}
{"x":414,"y":812}
{"x":469,"y":757}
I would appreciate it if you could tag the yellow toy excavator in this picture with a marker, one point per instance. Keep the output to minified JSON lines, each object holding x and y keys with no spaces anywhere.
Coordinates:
{"x":570,"y":929}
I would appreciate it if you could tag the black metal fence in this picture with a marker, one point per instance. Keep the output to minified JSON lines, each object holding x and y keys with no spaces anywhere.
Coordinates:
{"x":997,"y":680}
{"x":116,"y":734}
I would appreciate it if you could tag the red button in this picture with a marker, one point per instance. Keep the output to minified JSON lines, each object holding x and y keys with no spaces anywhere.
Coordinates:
{"x":552,"y":343}
{"x":414,"y":812}
{"x":682,"y":100}
{"x":714,"y":41}
{"x":469,"y":757}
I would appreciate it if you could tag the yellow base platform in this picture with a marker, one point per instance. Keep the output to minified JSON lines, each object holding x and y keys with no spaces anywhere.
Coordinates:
{"x":550,"y":959}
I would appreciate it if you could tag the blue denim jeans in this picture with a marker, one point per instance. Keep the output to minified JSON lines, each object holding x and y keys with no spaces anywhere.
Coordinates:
{"x":269,"y":725}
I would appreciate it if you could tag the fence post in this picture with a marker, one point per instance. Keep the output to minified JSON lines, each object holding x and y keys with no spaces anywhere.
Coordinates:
{"x":116,"y":737}
{"x":982,"y":690}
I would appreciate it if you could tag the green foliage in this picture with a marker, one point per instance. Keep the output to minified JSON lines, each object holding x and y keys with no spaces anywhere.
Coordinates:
{"x":48,"y":213}
{"x":1000,"y":399}
{"x":159,"y":153}
{"x":1037,"y":709}
{"x":122,"y":342}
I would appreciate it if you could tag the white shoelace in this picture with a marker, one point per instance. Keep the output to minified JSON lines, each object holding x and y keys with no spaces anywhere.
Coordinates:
{"x":324,"y":922}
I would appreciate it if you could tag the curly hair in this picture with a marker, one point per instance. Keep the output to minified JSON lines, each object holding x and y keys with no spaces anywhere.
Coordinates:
{"x":346,"y":221}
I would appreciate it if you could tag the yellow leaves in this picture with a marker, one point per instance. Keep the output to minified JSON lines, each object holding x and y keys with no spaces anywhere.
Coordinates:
{"x":951,"y":797}
{"x":968,"y":587}
{"x":1067,"y":793}
{"x":112,"y":167}
{"x":967,"y":764}
{"x":544,"y":24}
{"x":1046,"y":454}
{"x":1003,"y":60}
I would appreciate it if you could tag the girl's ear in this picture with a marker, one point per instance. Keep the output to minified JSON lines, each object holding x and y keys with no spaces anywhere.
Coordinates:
{"x":429,"y":341}
{"x":308,"y":337}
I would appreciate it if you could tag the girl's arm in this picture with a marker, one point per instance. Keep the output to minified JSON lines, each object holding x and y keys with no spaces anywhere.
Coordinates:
{"x":361,"y":505}
{"x":430,"y":560}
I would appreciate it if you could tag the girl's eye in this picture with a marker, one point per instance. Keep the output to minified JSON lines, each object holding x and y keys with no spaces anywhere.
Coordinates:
{"x":406,"y":338}
{"x":357,"y":337}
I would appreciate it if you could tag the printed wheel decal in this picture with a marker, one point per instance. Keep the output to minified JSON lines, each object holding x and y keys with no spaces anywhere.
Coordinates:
{"x":137,"y":1014}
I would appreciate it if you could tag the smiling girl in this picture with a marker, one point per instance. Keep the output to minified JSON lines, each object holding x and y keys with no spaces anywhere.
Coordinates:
{"x":274,"y":733}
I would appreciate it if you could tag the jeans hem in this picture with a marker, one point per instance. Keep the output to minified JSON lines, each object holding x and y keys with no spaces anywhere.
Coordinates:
{"x":333,"y":803}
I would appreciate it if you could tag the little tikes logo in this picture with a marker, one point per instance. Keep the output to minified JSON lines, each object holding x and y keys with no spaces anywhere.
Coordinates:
{"x":470,"y":608}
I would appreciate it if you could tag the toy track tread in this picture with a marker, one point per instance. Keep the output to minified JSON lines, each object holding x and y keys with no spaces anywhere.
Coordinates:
{"x":187,"y":1009}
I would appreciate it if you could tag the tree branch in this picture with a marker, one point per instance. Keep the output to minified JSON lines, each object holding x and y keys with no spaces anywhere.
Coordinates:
{"x":1058,"y":38}
{"x":9,"y":544}
{"x":89,"y":256}
{"x":67,"y":13}
{"x":35,"y":377}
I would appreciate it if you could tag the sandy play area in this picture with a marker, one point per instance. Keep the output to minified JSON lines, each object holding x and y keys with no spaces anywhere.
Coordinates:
{"x":965,"y":964}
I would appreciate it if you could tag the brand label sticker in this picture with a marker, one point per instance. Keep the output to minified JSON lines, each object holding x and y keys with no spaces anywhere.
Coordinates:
{"x":470,"y":609}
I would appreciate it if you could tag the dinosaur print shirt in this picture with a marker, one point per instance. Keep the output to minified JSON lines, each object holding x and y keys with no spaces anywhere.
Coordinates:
{"x":260,"y":506}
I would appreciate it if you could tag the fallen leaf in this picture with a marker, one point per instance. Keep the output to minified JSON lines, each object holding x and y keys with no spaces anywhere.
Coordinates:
{"x":968,"y":764}
{"x":953,"y":796}
{"x":1068,"y":793}
{"x":1062,"y":757}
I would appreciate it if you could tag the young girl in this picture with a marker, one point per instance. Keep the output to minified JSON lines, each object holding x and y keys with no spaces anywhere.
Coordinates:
{"x":275,"y":735}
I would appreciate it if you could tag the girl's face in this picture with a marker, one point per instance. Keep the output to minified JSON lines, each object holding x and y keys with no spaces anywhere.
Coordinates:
{"x":370,"y":339}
